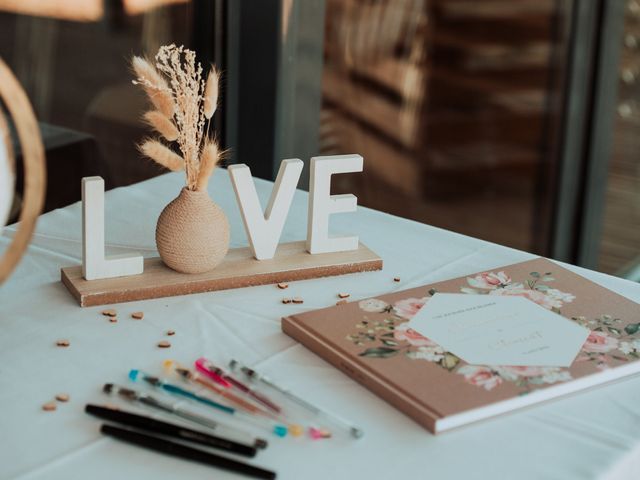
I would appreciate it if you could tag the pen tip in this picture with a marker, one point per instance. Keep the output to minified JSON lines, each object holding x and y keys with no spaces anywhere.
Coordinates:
{"x":133,"y":375}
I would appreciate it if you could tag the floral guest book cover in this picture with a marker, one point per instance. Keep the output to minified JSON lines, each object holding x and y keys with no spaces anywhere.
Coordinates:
{"x":371,"y":341}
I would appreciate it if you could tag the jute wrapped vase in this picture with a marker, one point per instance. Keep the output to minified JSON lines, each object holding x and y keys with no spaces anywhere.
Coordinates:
{"x":192,"y":234}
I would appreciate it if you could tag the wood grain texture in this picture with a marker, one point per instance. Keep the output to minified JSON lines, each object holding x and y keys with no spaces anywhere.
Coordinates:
{"x":17,"y":103}
{"x":239,"y":269}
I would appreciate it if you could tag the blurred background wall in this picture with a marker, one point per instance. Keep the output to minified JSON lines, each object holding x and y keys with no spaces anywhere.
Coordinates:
{"x":514,"y":121}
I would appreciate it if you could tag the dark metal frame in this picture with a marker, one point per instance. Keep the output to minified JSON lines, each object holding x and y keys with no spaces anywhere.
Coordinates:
{"x":588,"y":121}
{"x":273,"y":77}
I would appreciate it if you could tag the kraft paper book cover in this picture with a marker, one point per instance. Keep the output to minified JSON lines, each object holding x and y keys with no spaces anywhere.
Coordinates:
{"x":371,"y":341}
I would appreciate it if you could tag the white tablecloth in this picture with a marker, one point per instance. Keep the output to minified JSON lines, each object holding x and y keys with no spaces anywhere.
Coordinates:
{"x":590,"y":435}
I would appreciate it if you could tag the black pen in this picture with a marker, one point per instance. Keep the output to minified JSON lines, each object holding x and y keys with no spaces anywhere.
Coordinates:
{"x":170,"y":429}
{"x":187,"y":453}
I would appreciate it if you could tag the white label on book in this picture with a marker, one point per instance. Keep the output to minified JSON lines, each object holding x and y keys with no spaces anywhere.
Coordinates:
{"x":495,"y":330}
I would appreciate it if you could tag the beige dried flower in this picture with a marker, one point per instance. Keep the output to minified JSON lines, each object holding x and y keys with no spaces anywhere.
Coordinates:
{"x":184,"y":104}
{"x":154,"y":85}
{"x":208,"y":162}
{"x":162,"y":125}
{"x":211,"y":93}
{"x":162,"y":154}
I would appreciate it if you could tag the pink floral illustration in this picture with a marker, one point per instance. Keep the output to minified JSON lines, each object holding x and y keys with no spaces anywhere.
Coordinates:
{"x":490,"y":280}
{"x":373,"y":305}
{"x":599,"y":342}
{"x":533,"y":295}
{"x":480,"y":376}
{"x":388,"y":333}
{"x":404,"y":333}
{"x":408,"y":307}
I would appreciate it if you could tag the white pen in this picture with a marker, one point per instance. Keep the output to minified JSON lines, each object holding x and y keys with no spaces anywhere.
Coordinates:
{"x":355,"y":431}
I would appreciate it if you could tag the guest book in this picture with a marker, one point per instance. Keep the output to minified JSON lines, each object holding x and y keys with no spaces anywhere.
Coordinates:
{"x":381,"y":342}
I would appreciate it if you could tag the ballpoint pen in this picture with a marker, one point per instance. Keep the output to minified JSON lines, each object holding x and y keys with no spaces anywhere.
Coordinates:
{"x":205,"y":366}
{"x":174,"y":389}
{"x":190,"y":375}
{"x":355,"y":431}
{"x":294,"y":429}
{"x":179,"y":411}
{"x":274,"y":427}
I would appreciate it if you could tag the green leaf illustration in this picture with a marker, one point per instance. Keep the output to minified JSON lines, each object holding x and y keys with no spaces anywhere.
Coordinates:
{"x":379,"y":352}
{"x":390,"y":343}
{"x":449,"y":361}
{"x":615,"y":331}
{"x":632,"y":328}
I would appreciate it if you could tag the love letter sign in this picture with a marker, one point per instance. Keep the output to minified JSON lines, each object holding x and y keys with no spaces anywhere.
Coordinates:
{"x":264,"y":228}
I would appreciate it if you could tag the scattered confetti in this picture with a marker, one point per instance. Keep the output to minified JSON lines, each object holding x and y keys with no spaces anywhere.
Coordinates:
{"x":170,"y":333}
{"x":62,"y":397}
{"x":396,"y":279}
{"x":113,"y":319}
{"x":286,"y":300}
{"x":344,"y":295}
{"x":137,"y":315}
{"x":49,"y":406}
{"x":297,"y":300}
{"x":109,"y":313}
{"x":283,"y":285}
{"x":63,"y":343}
{"x":164,"y":344}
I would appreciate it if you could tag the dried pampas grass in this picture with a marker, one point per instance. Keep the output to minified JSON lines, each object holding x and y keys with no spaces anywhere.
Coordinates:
{"x":160,"y":153}
{"x":208,"y":162}
{"x":154,"y":85}
{"x":162,"y":125}
{"x":184,"y":103}
{"x":211,"y":93}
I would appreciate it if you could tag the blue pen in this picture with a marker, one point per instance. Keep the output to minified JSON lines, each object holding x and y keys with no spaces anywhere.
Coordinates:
{"x":276,"y":428}
{"x":157,"y":382}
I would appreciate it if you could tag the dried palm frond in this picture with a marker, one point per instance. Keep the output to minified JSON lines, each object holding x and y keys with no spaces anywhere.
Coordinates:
{"x":162,"y":154}
{"x":163,"y":125}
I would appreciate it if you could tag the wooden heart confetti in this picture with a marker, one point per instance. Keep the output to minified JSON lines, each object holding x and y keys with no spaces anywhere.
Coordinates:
{"x":109,"y":313}
{"x":396,"y":279}
{"x":286,"y":300}
{"x":344,"y":295}
{"x":49,"y":406}
{"x":137,"y":315}
{"x":297,"y":300}
{"x":170,"y":332}
{"x":113,"y":319}
{"x":63,"y":343}
{"x":283,"y":285}
{"x":62,"y":397}
{"x":164,"y":344}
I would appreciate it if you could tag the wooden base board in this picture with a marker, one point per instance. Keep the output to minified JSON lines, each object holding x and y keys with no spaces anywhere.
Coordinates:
{"x":238,"y":269}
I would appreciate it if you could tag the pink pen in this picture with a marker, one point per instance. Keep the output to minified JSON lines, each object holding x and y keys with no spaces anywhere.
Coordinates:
{"x":208,"y":368}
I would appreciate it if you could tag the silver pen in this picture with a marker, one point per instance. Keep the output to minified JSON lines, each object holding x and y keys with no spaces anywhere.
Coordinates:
{"x":175,"y":409}
{"x":355,"y":431}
